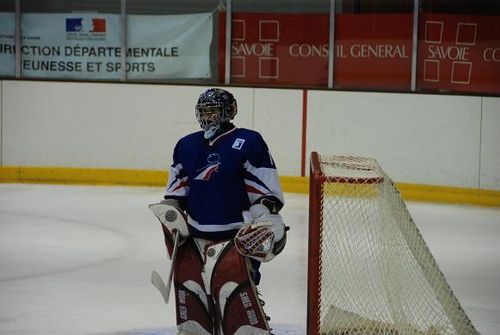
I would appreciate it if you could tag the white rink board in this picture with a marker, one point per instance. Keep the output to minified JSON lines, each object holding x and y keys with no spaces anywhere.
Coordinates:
{"x":278,"y":116}
{"x":417,"y":138}
{"x":490,"y":147}
{"x":94,"y":125}
{"x":101,"y":125}
{"x":1,"y":126}
{"x":423,"y":139}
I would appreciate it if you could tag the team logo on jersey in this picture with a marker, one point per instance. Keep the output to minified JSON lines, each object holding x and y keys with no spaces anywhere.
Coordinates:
{"x":209,"y":169}
{"x":238,"y":143}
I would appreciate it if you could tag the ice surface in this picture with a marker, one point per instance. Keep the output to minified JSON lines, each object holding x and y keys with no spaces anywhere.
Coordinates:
{"x":77,"y":260}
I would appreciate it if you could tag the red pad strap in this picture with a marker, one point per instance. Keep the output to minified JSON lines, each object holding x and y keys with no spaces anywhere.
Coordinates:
{"x":169,"y":241}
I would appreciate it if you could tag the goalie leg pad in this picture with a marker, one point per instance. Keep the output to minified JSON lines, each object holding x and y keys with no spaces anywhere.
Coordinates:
{"x":234,"y":292}
{"x":194,"y":307}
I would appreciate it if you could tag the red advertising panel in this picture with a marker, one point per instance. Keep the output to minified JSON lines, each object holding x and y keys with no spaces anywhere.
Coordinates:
{"x":278,"y":49}
{"x":292,"y":49}
{"x":459,"y":53}
{"x":373,"y":51}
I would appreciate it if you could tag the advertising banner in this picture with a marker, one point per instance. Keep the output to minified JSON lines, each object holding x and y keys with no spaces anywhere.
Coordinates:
{"x":292,"y":49}
{"x":274,"y":48}
{"x":88,"y":46}
{"x":459,"y":53}
{"x":7,"y":44}
{"x":173,"y":46}
{"x":85,"y":46}
{"x":373,"y":51}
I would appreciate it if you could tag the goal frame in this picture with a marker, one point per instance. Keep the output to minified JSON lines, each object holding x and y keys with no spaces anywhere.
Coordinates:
{"x":317,"y":179}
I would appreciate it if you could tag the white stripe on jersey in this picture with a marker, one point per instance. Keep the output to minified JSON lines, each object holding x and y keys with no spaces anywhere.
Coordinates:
{"x":269,"y":177}
{"x":179,"y":187}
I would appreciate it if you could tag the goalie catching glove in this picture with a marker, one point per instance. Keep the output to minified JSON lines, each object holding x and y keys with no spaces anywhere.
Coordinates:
{"x":263,"y":236}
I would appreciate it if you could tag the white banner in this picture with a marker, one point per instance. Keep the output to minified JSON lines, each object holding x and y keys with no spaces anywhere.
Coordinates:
{"x":174,"y":46}
{"x":87,"y":46}
{"x":83,"y":46}
{"x":7,"y":44}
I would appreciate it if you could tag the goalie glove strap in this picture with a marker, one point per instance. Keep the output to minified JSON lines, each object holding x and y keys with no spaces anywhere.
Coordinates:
{"x":273,"y":204}
{"x":262,"y":216}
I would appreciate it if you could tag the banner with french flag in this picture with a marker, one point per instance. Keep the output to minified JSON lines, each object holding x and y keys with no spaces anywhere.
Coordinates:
{"x":90,"y":46}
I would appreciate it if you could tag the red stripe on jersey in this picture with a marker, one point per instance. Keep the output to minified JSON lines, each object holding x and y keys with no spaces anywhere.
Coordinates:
{"x":181,"y":185}
{"x":251,"y":189}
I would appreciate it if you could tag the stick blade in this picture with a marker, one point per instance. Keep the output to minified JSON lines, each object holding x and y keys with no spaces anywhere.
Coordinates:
{"x":157,"y":282}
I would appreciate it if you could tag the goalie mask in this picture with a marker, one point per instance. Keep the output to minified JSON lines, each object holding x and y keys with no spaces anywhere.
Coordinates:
{"x":214,"y":107}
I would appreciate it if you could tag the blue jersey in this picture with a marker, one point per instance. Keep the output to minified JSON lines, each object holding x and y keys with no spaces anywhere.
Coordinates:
{"x":218,"y":179}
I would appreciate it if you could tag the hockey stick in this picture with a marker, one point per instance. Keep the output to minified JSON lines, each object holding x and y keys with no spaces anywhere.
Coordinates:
{"x":156,"y":279}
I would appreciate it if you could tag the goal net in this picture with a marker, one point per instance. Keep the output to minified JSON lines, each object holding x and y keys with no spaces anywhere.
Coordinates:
{"x":370,"y":271}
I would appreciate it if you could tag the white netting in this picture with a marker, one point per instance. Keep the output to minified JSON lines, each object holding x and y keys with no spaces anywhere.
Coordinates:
{"x":377,"y":276}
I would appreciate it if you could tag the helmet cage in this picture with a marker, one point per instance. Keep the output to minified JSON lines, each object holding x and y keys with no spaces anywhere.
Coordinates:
{"x":214,"y":107}
{"x":209,"y":115}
